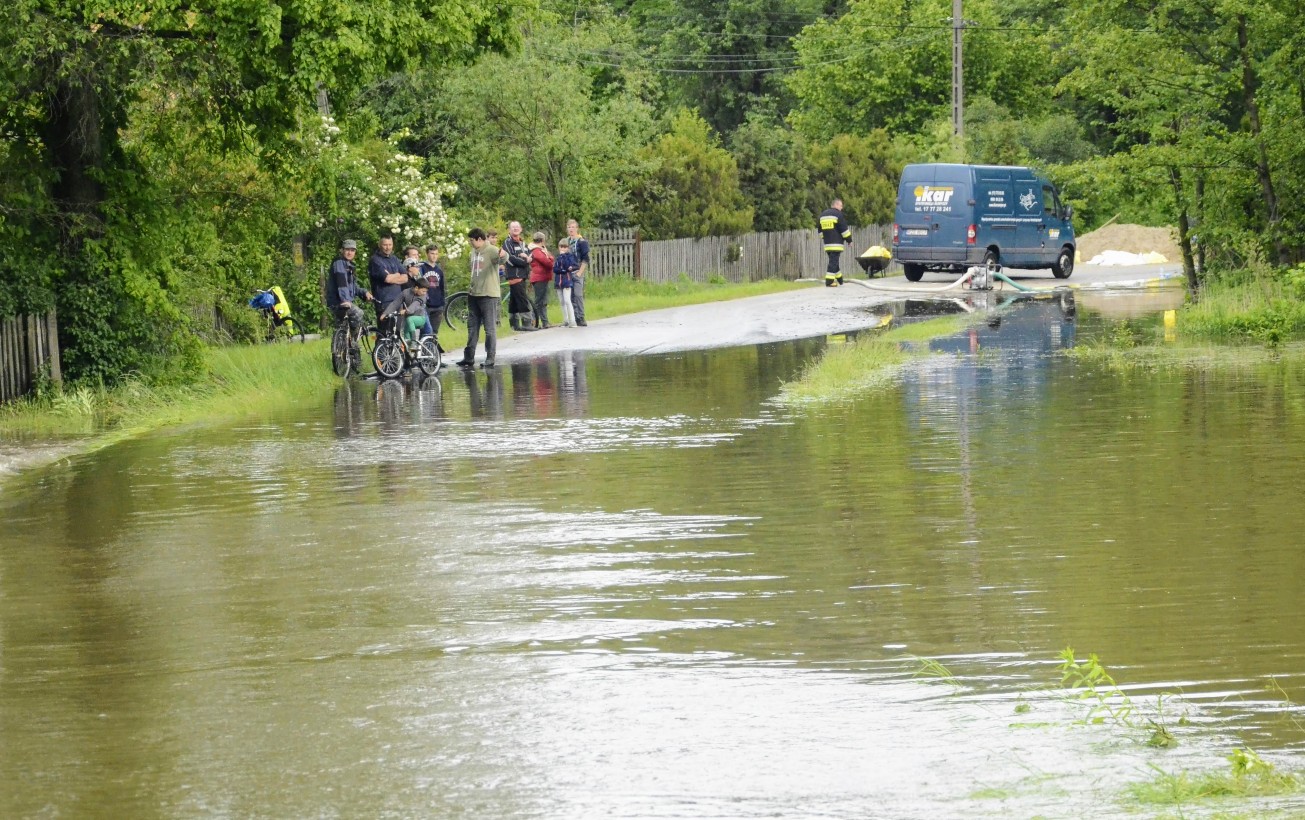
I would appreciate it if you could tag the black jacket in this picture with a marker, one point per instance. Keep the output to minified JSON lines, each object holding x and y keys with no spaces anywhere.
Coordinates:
{"x":518,"y":259}
{"x":343,"y":285}
{"x":834,"y":229}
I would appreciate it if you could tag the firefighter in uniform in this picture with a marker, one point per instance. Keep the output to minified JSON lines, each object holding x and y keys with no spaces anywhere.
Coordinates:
{"x":835,"y":233}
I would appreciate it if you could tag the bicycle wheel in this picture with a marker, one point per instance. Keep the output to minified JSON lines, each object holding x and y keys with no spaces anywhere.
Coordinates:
{"x":428,"y":356}
{"x":340,"y":360}
{"x":455,"y":309}
{"x":286,"y":330}
{"x":388,"y":358}
{"x":367,"y":346}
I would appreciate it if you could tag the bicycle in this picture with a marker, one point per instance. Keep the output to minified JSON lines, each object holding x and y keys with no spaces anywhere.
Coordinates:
{"x":457,"y":306}
{"x":271,"y":303}
{"x":345,"y":340}
{"x":393,"y":355}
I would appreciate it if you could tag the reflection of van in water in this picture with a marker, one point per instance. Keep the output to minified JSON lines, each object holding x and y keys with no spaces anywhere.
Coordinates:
{"x":952,"y":216}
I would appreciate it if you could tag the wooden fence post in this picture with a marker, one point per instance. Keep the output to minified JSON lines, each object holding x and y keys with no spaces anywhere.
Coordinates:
{"x":4,"y":360}
{"x":33,"y":352}
{"x":52,"y":328}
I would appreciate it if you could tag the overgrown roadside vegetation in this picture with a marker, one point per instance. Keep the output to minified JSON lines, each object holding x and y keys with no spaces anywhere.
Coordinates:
{"x":235,"y":381}
{"x":1266,"y":307}
{"x":1247,"y":319}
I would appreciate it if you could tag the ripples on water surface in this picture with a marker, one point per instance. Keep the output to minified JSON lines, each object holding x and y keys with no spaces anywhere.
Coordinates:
{"x":636,"y":587}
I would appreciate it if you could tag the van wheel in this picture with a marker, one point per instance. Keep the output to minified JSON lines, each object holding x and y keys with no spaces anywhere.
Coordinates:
{"x":1064,"y":264}
{"x":913,"y":273}
{"x":991,"y":257}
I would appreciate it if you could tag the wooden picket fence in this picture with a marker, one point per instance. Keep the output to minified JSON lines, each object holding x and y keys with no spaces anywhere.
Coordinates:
{"x":747,"y":258}
{"x":28,"y":345}
{"x":615,"y":251}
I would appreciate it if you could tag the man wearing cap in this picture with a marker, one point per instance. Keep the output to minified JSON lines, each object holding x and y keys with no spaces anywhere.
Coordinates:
{"x":342,"y":292}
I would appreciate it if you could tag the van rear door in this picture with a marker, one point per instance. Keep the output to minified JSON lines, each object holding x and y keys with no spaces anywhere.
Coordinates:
{"x":914,"y":222}
{"x":951,"y":205}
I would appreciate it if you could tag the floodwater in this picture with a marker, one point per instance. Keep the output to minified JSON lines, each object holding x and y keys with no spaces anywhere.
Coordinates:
{"x":638,"y":587}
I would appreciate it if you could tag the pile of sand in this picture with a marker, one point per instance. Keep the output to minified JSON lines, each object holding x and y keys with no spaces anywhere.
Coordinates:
{"x":1130,"y":239}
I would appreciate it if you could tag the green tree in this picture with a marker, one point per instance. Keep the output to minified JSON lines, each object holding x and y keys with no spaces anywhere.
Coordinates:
{"x":1194,"y":120}
{"x":535,"y":138}
{"x":723,"y":57}
{"x":692,"y":187}
{"x":773,"y":173}
{"x":862,"y":171}
{"x":228,"y":78}
{"x":898,"y":76}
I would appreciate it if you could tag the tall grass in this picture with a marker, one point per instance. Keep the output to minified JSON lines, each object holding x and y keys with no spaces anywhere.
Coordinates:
{"x":1266,"y":308}
{"x":873,"y":358}
{"x":236,"y":381}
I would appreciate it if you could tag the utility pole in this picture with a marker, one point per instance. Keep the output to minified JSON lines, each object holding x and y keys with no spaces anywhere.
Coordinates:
{"x":958,"y":76}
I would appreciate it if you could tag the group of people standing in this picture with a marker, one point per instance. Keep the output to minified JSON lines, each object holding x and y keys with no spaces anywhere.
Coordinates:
{"x":412,"y":291}
{"x":528,"y":268}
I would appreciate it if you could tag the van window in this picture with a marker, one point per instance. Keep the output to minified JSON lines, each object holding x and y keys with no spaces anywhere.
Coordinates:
{"x":1052,"y":201}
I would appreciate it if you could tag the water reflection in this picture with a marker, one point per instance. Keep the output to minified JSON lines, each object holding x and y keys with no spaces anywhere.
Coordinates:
{"x":597,"y":587}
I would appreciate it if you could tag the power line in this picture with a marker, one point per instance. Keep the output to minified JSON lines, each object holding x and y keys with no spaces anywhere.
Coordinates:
{"x":615,"y":60}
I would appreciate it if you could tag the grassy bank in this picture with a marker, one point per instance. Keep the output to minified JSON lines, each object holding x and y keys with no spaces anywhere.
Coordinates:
{"x":872,"y":358}
{"x":1241,"y":321}
{"x":236,"y":381}
{"x":1264,"y":308}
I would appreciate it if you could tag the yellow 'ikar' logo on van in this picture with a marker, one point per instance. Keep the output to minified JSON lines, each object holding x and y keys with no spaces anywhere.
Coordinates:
{"x":931,"y":198}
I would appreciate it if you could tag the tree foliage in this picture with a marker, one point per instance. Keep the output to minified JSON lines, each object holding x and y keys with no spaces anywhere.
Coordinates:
{"x":773,"y":169}
{"x":96,"y":99}
{"x":692,"y":186}
{"x":862,"y":171}
{"x":725,"y":58}
{"x":540,"y":137}
{"x":1198,"y":117}
{"x":899,"y":75}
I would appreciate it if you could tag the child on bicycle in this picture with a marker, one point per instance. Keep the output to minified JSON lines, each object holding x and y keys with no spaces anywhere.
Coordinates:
{"x":411,"y":304}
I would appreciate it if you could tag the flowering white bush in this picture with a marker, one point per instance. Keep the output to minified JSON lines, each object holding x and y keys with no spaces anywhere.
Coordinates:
{"x":399,"y":197}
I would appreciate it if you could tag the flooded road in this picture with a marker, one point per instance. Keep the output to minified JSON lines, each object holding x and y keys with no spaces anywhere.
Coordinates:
{"x":637,"y":587}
